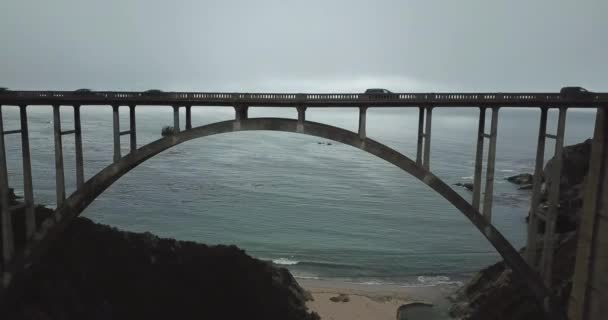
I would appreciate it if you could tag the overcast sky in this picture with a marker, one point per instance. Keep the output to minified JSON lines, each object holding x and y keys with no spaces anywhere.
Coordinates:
{"x":305,"y":45}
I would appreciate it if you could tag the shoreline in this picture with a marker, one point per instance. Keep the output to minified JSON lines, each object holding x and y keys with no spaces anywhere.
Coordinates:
{"x":377,"y":301}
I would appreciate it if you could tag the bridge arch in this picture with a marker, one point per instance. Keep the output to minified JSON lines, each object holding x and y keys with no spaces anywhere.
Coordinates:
{"x":97,"y":184}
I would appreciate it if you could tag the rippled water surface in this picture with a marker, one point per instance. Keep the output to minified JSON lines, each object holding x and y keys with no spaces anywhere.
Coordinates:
{"x":323,"y":210}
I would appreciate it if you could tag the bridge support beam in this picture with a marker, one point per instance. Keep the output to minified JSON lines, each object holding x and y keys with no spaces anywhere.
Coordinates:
{"x":28,"y":188}
{"x":362,"y":120}
{"x":78,"y":148}
{"x":8,"y":244}
{"x":426,"y":161}
{"x":551,"y":217}
{"x":589,"y":297}
{"x":176,"y":119}
{"x":132,"y":128}
{"x":489,"y":192}
{"x":532,"y":242}
{"x":479,"y":159}
{"x":59,"y":175}
{"x":116,"y":126}
{"x":420,"y":142}
{"x":188,"y":117}
{"x":301,"y":118}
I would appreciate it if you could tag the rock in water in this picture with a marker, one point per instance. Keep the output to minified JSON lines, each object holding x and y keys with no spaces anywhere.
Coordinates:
{"x":467,"y":185}
{"x":521,"y":179}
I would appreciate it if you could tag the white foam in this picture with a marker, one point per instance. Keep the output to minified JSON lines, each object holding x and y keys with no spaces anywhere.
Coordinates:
{"x":506,"y":170}
{"x":285,"y":261}
{"x":467,"y":178}
{"x":437,"y":280}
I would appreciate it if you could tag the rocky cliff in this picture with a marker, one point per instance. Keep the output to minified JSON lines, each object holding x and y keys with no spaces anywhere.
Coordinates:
{"x":494,"y":293}
{"x":98,"y":272}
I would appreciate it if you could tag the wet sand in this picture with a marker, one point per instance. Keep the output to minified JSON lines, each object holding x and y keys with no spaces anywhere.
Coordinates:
{"x":359,"y":301}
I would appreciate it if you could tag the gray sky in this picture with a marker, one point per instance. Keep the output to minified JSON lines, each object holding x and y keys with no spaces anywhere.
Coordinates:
{"x":305,"y":45}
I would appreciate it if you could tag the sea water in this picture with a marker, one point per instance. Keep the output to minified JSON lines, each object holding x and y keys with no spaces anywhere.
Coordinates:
{"x":322,"y":209}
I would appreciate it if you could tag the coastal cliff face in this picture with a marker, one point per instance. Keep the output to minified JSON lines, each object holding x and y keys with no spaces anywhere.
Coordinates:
{"x":98,"y":272}
{"x":494,"y":292}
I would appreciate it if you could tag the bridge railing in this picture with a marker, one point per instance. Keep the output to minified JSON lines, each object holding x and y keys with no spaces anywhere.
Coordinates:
{"x":291,"y":98}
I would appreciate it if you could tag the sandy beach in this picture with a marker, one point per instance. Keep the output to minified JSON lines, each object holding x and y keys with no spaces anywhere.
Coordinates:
{"x":347,"y":301}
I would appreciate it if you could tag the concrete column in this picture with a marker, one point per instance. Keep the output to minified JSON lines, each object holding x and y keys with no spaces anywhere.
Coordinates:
{"x":532,"y":242}
{"x":420,"y":142}
{"x":489,"y":193}
{"x":426,"y":161}
{"x":176,"y":119}
{"x":28,"y":188}
{"x":188,"y":117}
{"x":132,"y":128}
{"x":78,"y":149}
{"x":362,"y":116}
{"x":241,"y":112}
{"x":59,"y":175}
{"x":301,"y":114}
{"x":556,"y":173}
{"x":8,"y":241}
{"x":116,"y":122}
{"x":479,"y":158}
{"x":589,"y":296}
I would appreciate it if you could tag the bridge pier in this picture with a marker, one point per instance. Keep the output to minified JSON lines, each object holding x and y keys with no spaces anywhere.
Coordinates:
{"x":132,"y":128}
{"x":8,"y":242}
{"x":188,"y":117}
{"x":59,"y":175}
{"x":28,"y":189}
{"x":551,"y":216}
{"x":532,"y":241}
{"x":426,"y":161}
{"x":78,"y":148}
{"x":301,"y":118}
{"x":589,"y":296}
{"x":479,"y":159}
{"x":489,"y":192}
{"x":176,"y":119}
{"x":420,"y":141}
{"x":362,"y":119}
{"x":116,"y":127}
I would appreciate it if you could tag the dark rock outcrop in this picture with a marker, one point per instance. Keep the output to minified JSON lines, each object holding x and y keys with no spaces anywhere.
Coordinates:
{"x":466,"y":185}
{"x":521,"y":179}
{"x":98,"y":272}
{"x":494,"y":293}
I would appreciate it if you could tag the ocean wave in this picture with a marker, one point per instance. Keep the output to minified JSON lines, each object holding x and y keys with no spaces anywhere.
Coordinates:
{"x":506,"y":170}
{"x":285,"y":261}
{"x":467,"y":178}
{"x":432,"y":281}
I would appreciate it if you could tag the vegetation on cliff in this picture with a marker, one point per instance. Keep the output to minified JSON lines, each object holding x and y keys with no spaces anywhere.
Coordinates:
{"x":98,"y":272}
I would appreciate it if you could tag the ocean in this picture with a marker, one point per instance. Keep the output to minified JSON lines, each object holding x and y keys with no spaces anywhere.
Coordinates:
{"x":322,"y":209}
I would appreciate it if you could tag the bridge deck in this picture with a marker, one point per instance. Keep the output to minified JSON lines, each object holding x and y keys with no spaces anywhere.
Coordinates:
{"x":299,"y":99}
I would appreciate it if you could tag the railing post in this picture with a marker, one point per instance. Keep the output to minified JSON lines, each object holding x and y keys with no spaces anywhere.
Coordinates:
{"x":532,"y":241}
{"x":78,"y":149}
{"x":59,"y":175}
{"x":362,"y":118}
{"x":132,"y":128}
{"x":588,"y":298}
{"x":188,"y":117}
{"x":8,"y":245}
{"x":479,"y":159}
{"x":426,"y":163}
{"x":419,"y":145}
{"x":489,"y":192}
{"x":549,"y":238}
{"x":28,"y":188}
{"x":116,"y":124}
{"x":176,"y":119}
